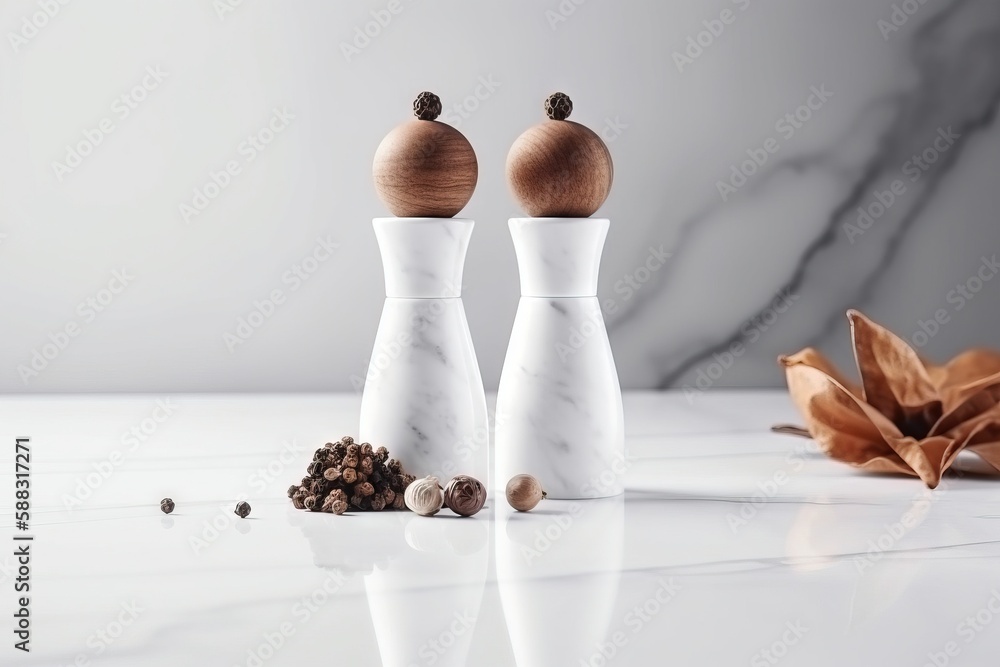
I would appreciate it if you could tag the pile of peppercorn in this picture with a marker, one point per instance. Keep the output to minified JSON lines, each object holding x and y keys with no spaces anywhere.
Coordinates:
{"x":346,"y":474}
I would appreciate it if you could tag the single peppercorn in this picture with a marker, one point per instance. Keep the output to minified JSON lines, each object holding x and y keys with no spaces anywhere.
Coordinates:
{"x":558,"y":106}
{"x":351,"y":461}
{"x":292,"y":489}
{"x":349,"y":475}
{"x":352,"y":450}
{"x":298,"y":501}
{"x":365,"y":489}
{"x":315,"y":468}
{"x":427,"y":106}
{"x":378,"y":503}
{"x":331,"y":474}
{"x":242,"y":509}
{"x":381,"y":454}
{"x":310,"y":502}
{"x":338,"y":507}
{"x":166,"y":505}
{"x":367,"y":465}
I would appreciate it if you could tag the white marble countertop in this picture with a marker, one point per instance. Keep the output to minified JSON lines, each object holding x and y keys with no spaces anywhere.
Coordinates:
{"x":732,"y":546}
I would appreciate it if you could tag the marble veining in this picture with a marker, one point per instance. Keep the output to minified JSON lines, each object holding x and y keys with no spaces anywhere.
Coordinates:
{"x":952,"y":92}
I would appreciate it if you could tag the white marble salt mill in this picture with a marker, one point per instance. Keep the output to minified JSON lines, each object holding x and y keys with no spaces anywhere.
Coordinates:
{"x":559,"y":408}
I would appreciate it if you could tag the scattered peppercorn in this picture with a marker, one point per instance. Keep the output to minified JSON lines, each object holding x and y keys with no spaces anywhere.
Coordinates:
{"x":242,"y":509}
{"x":349,"y":475}
{"x":167,"y":505}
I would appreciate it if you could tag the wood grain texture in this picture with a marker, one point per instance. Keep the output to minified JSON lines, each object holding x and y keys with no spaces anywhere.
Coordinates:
{"x":424,"y":168}
{"x":559,"y":169}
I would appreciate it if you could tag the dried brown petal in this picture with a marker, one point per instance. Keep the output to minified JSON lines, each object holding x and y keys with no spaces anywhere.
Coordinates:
{"x":910,"y":417}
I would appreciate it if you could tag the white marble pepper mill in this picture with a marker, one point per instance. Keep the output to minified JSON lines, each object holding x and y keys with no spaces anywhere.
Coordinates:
{"x":423,"y":397}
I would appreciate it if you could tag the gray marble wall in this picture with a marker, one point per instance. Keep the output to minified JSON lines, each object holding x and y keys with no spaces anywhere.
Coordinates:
{"x":793,"y":159}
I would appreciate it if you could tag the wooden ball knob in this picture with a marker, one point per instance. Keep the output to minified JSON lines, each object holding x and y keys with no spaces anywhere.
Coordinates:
{"x":559,"y":169}
{"x":423,"y":168}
